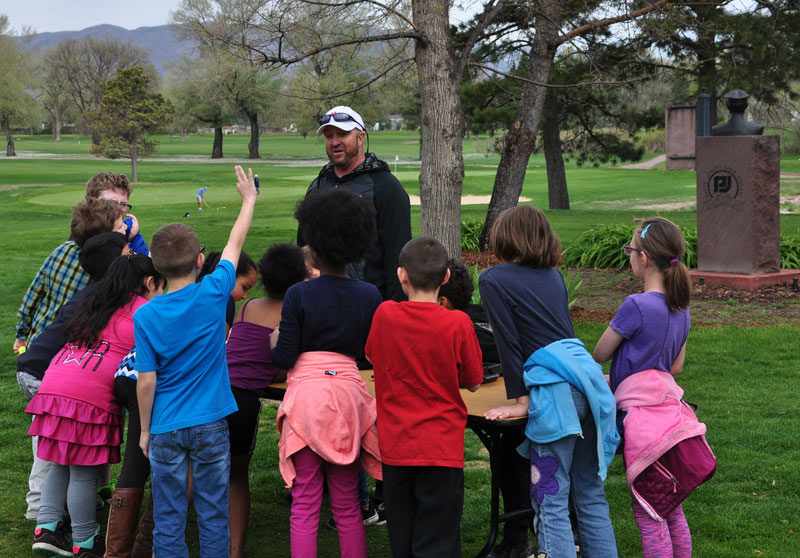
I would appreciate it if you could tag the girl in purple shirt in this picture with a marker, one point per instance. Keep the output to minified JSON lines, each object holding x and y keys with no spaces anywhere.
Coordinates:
{"x":649,"y":331}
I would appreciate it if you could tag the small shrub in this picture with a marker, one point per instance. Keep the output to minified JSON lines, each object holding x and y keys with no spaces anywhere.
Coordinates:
{"x":601,"y":248}
{"x":470,"y":235}
{"x":573,"y":281}
{"x":654,"y":141}
{"x":476,"y":293}
{"x":790,"y":252}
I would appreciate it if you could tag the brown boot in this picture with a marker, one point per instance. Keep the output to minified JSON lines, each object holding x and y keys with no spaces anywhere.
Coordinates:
{"x":122,"y":516}
{"x":143,"y":545}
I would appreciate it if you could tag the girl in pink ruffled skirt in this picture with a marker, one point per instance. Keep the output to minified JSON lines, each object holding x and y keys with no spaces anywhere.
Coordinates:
{"x":76,"y":417}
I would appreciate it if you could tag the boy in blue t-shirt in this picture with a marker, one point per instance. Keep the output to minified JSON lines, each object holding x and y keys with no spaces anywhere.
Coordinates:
{"x":183,"y":390}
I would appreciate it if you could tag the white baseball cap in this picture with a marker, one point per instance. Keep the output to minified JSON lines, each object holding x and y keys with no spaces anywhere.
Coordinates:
{"x":342,"y":117}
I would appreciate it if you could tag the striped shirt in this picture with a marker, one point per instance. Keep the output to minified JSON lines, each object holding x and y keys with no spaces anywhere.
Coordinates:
{"x":60,"y":277}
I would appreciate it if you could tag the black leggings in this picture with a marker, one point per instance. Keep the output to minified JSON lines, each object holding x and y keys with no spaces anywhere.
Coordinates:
{"x":135,"y":466}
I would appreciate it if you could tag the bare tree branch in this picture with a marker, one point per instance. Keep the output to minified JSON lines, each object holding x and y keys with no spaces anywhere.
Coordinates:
{"x":490,"y":11}
{"x":486,"y":68}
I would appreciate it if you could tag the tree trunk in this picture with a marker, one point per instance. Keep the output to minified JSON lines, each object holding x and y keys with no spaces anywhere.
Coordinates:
{"x":134,"y":164}
{"x":216,"y":151}
{"x":183,"y":134}
{"x":557,"y":194}
{"x":443,"y":126}
{"x":254,"y":136}
{"x":56,"y":122}
{"x":520,"y":140}
{"x":10,"y":152}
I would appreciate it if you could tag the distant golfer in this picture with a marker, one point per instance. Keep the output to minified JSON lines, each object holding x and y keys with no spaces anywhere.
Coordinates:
{"x":257,"y":182}
{"x":201,"y":197}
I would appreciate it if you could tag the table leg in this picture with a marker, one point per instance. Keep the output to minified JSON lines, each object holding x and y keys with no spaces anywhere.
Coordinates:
{"x":491,"y":440}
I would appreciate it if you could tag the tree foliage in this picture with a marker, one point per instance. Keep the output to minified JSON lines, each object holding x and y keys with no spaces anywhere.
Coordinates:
{"x":287,"y":32}
{"x":87,"y":64}
{"x":17,"y":106}
{"x":128,"y":113}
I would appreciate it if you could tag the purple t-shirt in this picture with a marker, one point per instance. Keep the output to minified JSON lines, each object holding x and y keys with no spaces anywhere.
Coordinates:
{"x":653,"y":335}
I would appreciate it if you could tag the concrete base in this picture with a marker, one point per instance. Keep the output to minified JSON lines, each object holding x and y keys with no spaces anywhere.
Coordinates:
{"x":744,"y":281}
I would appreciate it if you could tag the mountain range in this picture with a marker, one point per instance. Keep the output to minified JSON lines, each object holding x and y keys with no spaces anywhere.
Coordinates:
{"x":159,"y":41}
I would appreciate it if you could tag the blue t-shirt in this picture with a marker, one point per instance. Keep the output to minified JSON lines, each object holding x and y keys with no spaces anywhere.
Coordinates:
{"x":181,"y":336}
{"x":528,"y":309}
{"x":326,"y":314}
{"x":202,"y":190}
{"x":653,"y":335}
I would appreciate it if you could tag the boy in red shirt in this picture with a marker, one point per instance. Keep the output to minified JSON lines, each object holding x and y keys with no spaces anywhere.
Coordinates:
{"x":422,"y":353}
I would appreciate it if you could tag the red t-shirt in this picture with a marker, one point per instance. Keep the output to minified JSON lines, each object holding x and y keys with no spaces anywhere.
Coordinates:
{"x":421,"y":353}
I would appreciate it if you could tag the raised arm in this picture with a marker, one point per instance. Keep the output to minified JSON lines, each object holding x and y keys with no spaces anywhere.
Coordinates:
{"x":246,"y":188}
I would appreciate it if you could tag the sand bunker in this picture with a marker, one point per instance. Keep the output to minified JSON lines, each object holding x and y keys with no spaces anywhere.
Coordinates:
{"x":469,"y":199}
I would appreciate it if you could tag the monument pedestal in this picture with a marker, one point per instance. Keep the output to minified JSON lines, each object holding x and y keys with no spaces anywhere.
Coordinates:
{"x":738,"y":205}
{"x":744,"y":281}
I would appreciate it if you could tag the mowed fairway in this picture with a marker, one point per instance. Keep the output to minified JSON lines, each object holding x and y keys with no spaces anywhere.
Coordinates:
{"x":745,"y":381}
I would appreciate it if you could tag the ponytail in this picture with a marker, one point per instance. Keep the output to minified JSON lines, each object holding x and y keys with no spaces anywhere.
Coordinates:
{"x":663,"y":242}
{"x":678,"y":284}
{"x":124,"y":278}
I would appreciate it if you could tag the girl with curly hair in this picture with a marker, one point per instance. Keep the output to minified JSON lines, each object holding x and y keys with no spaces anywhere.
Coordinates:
{"x":323,"y":329}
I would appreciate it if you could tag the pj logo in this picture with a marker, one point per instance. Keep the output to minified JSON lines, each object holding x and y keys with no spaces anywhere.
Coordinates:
{"x":722,"y":184}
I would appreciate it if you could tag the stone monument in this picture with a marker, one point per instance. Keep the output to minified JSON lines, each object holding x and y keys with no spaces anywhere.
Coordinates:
{"x":679,"y":135}
{"x":738,"y":197}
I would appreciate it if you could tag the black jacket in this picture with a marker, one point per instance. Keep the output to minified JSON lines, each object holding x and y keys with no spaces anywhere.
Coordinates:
{"x":372,"y":179}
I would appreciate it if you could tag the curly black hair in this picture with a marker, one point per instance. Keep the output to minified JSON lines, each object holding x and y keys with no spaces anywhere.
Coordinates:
{"x":338,"y":225}
{"x":280,"y":267}
{"x":459,"y":288}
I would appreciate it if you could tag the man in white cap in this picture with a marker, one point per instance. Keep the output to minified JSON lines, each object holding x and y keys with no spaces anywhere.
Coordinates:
{"x":349,"y":167}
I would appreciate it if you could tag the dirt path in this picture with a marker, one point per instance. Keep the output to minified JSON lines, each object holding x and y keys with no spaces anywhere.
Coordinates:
{"x":646,"y":164}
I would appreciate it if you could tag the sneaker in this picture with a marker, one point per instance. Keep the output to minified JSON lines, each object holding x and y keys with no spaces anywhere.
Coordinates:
{"x":47,"y":543}
{"x":369,"y":515}
{"x":98,"y":549}
{"x":381,"y":509}
{"x":506,"y":549}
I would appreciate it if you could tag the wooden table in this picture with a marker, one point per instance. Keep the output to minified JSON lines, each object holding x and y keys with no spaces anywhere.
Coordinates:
{"x":488,"y":397}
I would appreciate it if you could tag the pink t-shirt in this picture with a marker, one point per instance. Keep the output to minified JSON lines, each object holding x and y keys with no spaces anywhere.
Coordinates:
{"x":88,"y":374}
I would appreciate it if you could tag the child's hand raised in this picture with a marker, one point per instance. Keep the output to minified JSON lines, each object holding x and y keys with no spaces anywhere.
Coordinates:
{"x":245,"y":184}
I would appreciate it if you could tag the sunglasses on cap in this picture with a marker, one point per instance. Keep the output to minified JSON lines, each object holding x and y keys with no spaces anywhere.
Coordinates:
{"x":338,"y":117}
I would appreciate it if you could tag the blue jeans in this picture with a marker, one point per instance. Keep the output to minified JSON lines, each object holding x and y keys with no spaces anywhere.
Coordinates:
{"x":208,"y":448}
{"x":571,"y":461}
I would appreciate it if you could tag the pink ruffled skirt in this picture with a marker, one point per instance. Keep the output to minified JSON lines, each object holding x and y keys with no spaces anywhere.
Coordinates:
{"x":73,"y":432}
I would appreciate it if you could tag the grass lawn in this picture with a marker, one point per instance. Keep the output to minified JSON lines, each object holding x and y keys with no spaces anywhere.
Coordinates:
{"x":744,"y":380}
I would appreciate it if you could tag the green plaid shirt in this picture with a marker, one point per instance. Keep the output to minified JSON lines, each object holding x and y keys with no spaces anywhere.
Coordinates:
{"x":60,"y":277}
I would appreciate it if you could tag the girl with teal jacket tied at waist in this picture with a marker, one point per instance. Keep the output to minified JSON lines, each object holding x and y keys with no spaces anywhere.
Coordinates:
{"x":571,"y":434}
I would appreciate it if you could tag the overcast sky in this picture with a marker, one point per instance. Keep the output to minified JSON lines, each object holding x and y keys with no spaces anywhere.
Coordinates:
{"x":74,"y":15}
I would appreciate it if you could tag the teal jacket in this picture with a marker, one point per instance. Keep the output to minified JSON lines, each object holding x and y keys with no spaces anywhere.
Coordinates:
{"x":548,"y":374}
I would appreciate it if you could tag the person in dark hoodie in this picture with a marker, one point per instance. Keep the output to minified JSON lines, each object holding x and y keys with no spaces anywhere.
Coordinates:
{"x":362,"y":173}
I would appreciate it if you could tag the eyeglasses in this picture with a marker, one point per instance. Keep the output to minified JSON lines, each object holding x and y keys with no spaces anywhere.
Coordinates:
{"x":339,"y":117}
{"x":125,"y":205}
{"x":627,"y":249}
{"x":202,"y":248}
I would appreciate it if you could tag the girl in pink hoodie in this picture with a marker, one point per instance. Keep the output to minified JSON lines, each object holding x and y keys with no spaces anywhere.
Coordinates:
{"x":649,"y":332}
